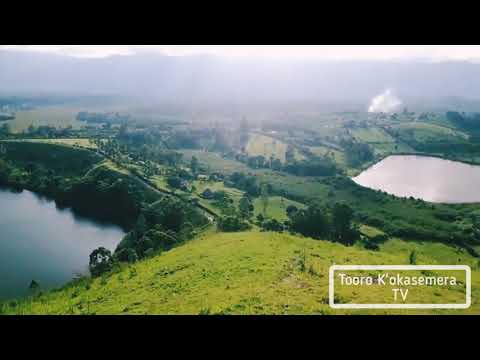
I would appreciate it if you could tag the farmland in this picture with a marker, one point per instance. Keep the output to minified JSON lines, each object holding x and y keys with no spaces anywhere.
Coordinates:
{"x":260,"y":145}
{"x":255,"y":196}
{"x":61,"y":117}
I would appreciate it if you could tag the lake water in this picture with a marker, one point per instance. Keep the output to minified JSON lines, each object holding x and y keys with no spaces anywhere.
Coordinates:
{"x":427,"y":178}
{"x":40,"y":242}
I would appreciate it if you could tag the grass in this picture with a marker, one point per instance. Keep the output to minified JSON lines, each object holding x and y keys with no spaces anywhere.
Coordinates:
{"x":370,"y":231}
{"x":240,"y":273}
{"x":260,"y":145}
{"x":431,"y":132}
{"x":60,"y":117}
{"x":277,"y":207}
{"x":85,"y":143}
{"x":338,"y":156}
{"x":372,"y":135}
{"x":215,"y":162}
{"x":235,"y":194}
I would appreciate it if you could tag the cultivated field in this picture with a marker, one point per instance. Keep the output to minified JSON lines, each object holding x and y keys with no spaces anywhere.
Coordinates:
{"x":60,"y":117}
{"x":260,"y":145}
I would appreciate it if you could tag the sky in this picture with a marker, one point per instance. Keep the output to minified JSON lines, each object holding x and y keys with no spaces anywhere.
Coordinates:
{"x":435,"y":53}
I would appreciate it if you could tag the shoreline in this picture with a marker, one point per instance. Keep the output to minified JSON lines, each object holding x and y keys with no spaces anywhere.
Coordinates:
{"x":426,"y":155}
{"x":383,"y":157}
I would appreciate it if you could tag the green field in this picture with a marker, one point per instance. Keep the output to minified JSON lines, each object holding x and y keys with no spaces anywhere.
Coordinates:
{"x":260,"y":145}
{"x":214,"y":186}
{"x":85,"y":143}
{"x":60,"y":117}
{"x":276,"y":208}
{"x":430,"y":132}
{"x":372,"y":135}
{"x":215,"y":162}
{"x":240,"y":273}
{"x":338,"y":156}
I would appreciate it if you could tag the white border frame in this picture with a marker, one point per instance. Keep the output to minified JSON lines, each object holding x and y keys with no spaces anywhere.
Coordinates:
{"x":402,"y":268}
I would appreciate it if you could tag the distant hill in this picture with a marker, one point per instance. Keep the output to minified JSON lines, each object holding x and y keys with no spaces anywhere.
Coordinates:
{"x":206,"y":78}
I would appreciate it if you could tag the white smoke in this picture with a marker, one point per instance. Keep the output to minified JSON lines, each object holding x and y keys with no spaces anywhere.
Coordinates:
{"x":385,"y":103}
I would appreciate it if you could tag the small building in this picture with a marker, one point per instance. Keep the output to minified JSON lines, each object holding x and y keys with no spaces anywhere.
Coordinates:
{"x":208,"y":194}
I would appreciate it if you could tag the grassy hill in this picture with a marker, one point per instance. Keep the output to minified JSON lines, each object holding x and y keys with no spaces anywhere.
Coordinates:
{"x":240,"y":273}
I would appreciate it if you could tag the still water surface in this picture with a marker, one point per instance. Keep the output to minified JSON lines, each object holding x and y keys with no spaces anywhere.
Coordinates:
{"x":40,"y":242}
{"x":427,"y":178}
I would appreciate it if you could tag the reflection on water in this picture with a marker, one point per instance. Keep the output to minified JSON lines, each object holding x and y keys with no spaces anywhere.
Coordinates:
{"x":427,"y":178}
{"x":40,"y":242}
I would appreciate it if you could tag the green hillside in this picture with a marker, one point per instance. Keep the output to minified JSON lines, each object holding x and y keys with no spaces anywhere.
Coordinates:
{"x":240,"y":273}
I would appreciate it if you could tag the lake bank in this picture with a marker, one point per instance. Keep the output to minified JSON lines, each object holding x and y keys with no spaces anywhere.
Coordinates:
{"x":429,"y":178}
{"x":42,"y":242}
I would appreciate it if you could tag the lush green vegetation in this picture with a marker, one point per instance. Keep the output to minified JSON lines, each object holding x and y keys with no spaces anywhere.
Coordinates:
{"x":165,"y":181}
{"x":73,"y":177}
{"x":238,"y":273}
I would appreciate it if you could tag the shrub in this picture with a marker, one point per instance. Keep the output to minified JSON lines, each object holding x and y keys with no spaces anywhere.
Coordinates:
{"x":272,"y":225}
{"x":101,"y":261}
{"x":413,"y":258}
{"x":369,"y":245}
{"x":232,"y":224}
{"x":378,"y":239}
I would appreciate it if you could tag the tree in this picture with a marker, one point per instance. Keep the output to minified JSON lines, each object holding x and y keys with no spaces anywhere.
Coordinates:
{"x":194,"y":165}
{"x":313,"y":222}
{"x":141,"y":225}
{"x":291,"y":210}
{"x":276,"y":164}
{"x":34,"y":287}
{"x":4,"y":130}
{"x":245,"y":207}
{"x":290,"y":154}
{"x":342,"y":217}
{"x":264,"y":198}
{"x":232,"y":224}
{"x":272,"y":225}
{"x":174,"y":182}
{"x":122,"y":133}
{"x":101,"y":261}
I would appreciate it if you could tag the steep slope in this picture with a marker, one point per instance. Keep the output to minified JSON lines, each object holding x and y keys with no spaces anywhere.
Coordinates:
{"x":241,"y":273}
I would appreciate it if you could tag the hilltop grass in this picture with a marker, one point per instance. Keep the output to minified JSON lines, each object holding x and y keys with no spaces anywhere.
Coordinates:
{"x":239,"y":273}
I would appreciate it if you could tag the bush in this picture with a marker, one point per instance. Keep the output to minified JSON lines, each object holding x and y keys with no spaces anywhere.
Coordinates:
{"x":126,"y":255}
{"x":101,"y":261}
{"x":378,"y":239}
{"x":369,"y":245}
{"x":232,"y":224}
{"x":272,"y":225}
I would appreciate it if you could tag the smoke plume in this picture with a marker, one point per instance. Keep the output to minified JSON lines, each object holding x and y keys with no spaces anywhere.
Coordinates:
{"x":386,"y":103}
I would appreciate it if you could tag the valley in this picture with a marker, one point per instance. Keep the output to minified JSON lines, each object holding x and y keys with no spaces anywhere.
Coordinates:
{"x":242,"y":217}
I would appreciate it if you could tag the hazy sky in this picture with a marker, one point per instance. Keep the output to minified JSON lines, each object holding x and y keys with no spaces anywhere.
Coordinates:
{"x":318,"y":52}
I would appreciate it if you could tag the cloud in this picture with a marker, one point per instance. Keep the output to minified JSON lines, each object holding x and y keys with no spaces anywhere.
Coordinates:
{"x":386,"y":103}
{"x":79,"y":51}
{"x":433,"y":53}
